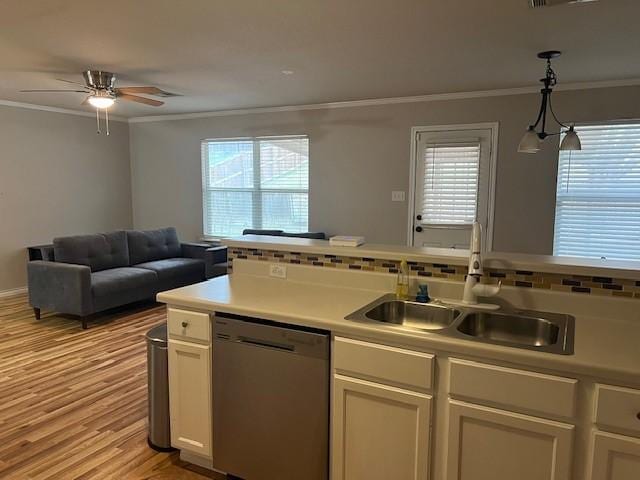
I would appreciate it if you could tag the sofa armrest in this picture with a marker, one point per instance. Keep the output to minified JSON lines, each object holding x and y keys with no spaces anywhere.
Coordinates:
{"x":217,"y":254}
{"x":216,"y":261}
{"x":62,"y":287}
{"x":194,"y":250}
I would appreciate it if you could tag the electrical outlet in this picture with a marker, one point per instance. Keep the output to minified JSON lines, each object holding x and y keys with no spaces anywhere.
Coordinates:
{"x":397,"y":196}
{"x":277,"y":270}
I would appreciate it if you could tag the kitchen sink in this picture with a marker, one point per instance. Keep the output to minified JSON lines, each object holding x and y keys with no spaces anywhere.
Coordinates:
{"x":406,"y":314}
{"x":540,"y":331}
{"x":533,"y":330}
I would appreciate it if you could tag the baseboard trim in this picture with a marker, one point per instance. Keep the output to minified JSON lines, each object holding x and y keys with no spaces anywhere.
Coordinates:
{"x":198,"y":460}
{"x":12,"y":292}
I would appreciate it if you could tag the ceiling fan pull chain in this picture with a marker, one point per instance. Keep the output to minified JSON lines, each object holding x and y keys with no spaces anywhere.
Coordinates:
{"x":106,"y":117}
{"x":98,"y":120}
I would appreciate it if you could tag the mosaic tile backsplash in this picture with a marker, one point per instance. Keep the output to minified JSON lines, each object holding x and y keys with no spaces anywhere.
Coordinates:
{"x":516,"y":278}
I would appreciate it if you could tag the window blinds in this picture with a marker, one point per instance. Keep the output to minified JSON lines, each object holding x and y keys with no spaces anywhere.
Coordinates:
{"x":598,"y":194}
{"x":260,"y":183}
{"x":450,"y":187}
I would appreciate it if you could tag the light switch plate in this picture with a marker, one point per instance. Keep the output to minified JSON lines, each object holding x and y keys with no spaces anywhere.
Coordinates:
{"x":397,"y":196}
{"x":277,"y":270}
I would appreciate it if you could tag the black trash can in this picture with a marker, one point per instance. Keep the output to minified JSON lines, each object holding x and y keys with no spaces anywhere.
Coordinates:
{"x":159,"y":437}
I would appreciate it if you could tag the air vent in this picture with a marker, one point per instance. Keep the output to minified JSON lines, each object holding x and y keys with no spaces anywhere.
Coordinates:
{"x":551,"y":3}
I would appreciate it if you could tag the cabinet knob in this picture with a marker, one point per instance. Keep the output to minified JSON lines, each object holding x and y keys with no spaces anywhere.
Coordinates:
{"x":418,"y":229}
{"x":185,"y":324}
{"x":638,"y":415}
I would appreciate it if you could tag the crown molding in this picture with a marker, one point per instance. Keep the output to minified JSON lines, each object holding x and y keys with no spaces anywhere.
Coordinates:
{"x":387,"y":101}
{"x":438,"y":97}
{"x":67,"y":111}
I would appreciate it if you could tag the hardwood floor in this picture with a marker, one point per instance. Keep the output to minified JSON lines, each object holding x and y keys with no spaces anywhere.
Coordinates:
{"x":73,"y":402}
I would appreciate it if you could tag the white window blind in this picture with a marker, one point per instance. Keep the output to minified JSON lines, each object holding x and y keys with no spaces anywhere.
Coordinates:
{"x":260,"y":183}
{"x":598,"y":194}
{"x":450,"y":188}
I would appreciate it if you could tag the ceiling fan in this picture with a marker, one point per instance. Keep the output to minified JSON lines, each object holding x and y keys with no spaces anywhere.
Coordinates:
{"x":102,"y":93}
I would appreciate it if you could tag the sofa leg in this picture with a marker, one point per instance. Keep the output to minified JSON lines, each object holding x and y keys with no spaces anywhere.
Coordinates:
{"x":84,"y":323}
{"x":36,"y":312}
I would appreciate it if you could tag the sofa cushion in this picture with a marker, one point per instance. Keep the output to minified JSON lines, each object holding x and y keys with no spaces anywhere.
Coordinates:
{"x":175,"y":267}
{"x":312,"y":235}
{"x":117,"y":280}
{"x":254,"y":231}
{"x":99,"y":251}
{"x":150,"y":245}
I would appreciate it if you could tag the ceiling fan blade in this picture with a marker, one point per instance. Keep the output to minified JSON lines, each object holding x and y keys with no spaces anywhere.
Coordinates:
{"x":135,"y":98}
{"x":147,"y":90}
{"x":71,"y":81}
{"x":75,"y":91}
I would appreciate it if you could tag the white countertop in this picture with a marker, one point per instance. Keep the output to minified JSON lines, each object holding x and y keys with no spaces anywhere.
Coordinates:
{"x":605,"y":349}
{"x":508,"y":261}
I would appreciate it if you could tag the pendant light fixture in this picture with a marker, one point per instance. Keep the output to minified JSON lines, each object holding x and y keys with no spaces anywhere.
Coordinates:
{"x":532,"y":140}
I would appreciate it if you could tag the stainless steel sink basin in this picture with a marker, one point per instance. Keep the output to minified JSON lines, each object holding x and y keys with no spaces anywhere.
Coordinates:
{"x":408,"y":315}
{"x":540,"y":331}
{"x":502,"y":327}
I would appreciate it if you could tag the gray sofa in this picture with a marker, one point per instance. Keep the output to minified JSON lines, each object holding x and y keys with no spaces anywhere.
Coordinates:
{"x":92,"y":273}
{"x":281,"y":233}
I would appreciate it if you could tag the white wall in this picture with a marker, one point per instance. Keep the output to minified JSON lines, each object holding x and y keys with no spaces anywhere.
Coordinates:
{"x":358,"y":155}
{"x":57,"y":177}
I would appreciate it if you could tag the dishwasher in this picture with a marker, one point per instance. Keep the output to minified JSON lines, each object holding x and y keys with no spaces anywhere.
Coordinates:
{"x":270,"y":400}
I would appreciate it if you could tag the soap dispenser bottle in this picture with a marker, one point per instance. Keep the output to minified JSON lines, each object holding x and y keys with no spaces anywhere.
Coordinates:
{"x":402,"y":283}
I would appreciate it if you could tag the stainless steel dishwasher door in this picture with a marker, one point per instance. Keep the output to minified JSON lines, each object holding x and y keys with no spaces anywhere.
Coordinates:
{"x":270,"y":401}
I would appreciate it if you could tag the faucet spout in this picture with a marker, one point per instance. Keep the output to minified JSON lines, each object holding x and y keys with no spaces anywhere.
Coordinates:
{"x":472,"y":286}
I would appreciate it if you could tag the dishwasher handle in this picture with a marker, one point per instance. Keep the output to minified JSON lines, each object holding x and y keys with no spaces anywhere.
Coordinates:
{"x":258,"y":342}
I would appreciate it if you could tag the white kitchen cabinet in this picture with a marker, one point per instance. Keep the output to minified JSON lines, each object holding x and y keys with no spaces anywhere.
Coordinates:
{"x":380,"y":432}
{"x":491,"y":444}
{"x":190,"y":390}
{"x":614,"y":457}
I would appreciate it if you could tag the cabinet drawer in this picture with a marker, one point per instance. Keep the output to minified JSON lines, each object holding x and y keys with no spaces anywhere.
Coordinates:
{"x":186,"y":324}
{"x":618,"y":408}
{"x":383,"y":363}
{"x":512,"y":388}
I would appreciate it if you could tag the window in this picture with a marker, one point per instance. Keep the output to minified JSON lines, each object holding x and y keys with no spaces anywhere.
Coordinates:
{"x":598,"y":194}
{"x":260,"y":183}
{"x":450,"y":187}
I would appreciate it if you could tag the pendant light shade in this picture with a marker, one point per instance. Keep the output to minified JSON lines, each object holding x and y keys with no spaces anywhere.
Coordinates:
{"x":571,"y":141}
{"x":532,"y":140}
{"x":530,"y":143}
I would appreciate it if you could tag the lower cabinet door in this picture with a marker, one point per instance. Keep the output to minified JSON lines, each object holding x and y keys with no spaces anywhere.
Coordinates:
{"x":614,"y":457}
{"x":490,"y":444}
{"x":379,"y":432}
{"x":190,"y":397}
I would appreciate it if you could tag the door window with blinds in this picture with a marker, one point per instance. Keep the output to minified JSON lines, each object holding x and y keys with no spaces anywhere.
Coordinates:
{"x":256,"y":183}
{"x":452,"y":185}
{"x":598,"y":194}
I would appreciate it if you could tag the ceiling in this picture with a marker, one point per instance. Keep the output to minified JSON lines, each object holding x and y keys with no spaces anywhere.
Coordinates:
{"x":221,"y":54}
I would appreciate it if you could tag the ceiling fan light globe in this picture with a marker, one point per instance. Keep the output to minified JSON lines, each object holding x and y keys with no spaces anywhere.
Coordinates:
{"x":101,"y":102}
{"x":530,"y":142}
{"x":571,"y":141}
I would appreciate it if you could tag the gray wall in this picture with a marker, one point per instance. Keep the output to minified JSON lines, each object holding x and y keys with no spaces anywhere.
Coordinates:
{"x":57,"y":177}
{"x":359,"y":155}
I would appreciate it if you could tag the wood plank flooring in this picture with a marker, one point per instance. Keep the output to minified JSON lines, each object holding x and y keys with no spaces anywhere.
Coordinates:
{"x":73,"y":402}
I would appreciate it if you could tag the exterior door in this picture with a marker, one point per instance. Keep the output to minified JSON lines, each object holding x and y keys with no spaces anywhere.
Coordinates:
{"x":453,"y":186}
{"x":190,"y":397}
{"x":379,"y":432}
{"x":615,"y":457}
{"x":491,"y":444}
